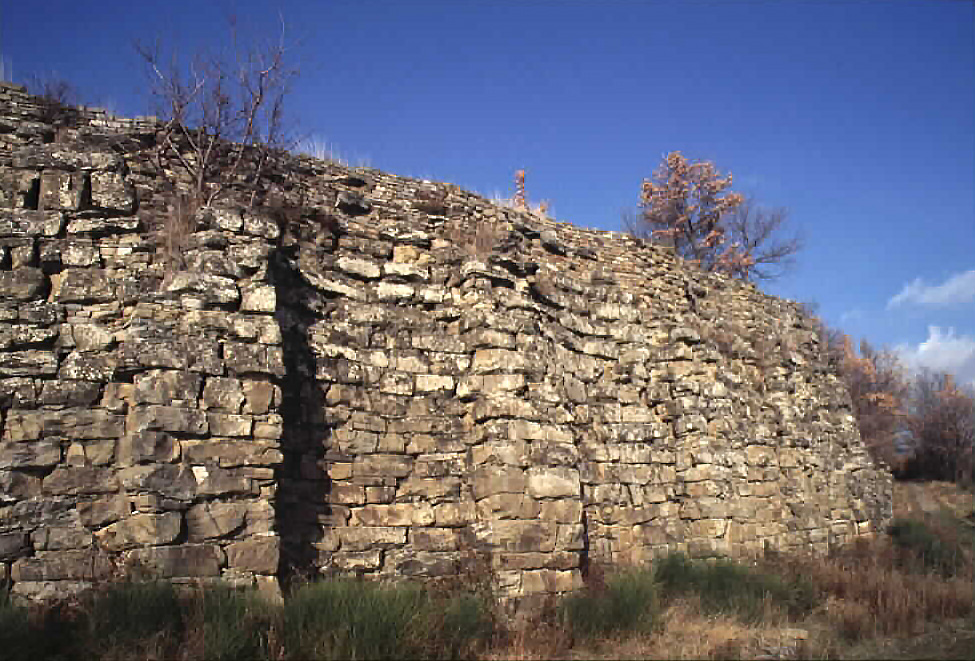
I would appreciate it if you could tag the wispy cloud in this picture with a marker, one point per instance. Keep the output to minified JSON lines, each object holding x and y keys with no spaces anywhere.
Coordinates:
{"x":957,"y":290}
{"x":856,"y":314}
{"x":943,"y":351}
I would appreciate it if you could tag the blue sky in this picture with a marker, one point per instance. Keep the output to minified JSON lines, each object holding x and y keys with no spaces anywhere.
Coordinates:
{"x":857,"y":116}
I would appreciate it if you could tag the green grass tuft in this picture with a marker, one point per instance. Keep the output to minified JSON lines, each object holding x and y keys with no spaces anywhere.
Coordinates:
{"x":627,"y":603}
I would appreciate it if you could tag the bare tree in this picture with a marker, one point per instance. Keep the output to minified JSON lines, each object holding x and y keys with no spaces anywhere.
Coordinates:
{"x":759,"y":233}
{"x":222,"y":118}
{"x":222,"y":114}
{"x":942,"y":424}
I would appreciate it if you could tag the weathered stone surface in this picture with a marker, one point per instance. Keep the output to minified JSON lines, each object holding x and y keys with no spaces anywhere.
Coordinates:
{"x":385,"y":380}
{"x":17,"y":223}
{"x":30,"y":454}
{"x":141,"y":530}
{"x":260,"y":556}
{"x":147,"y":447}
{"x":110,"y":191}
{"x":76,"y":480}
{"x":24,"y":284}
{"x":58,"y":538}
{"x":13,"y":545}
{"x":66,"y":565}
{"x":166,"y":418}
{"x":168,"y":480}
{"x":206,"y":289}
{"x":212,"y":520}
{"x":164,"y":386}
{"x":187,"y":560}
{"x":83,"y":286}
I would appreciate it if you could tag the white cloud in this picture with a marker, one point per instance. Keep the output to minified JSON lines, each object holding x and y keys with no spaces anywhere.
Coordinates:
{"x":956,"y":290}
{"x":942,"y":352}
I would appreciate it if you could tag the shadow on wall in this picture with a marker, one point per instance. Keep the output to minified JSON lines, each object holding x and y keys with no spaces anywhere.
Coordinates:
{"x":303,"y":485}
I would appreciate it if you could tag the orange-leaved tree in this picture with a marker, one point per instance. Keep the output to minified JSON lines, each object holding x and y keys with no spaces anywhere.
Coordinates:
{"x":879,"y":390}
{"x":690,"y":207}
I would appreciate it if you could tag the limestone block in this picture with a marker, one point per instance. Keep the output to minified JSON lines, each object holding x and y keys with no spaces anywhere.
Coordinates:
{"x":259,"y":396}
{"x":99,"y":512}
{"x":261,"y":226}
{"x":357,"y":561}
{"x":186,"y":560}
{"x":70,"y":393}
{"x":253,"y":359}
{"x":30,"y":454}
{"x":402,"y":514}
{"x":434,"y":539}
{"x":62,"y":566}
{"x":498,"y":360}
{"x":508,"y":506}
{"x":553,"y":482}
{"x":421,"y":564}
{"x":517,"y":536}
{"x":60,"y":191}
{"x":222,"y":424}
{"x":362,"y":539}
{"x":355,"y":442}
{"x":18,"y":223}
{"x":562,"y":510}
{"x":148,"y":447}
{"x":394,"y":292}
{"x":428,"y":489}
{"x":97,"y":367}
{"x":15,"y":485}
{"x":97,"y":226}
{"x":258,"y":298}
{"x":83,"y":286}
{"x":110,"y":191}
{"x":454,"y":514}
{"x":434,"y":383}
{"x":550,"y":581}
{"x":501,"y":452}
{"x":164,"y":386}
{"x":169,"y":480}
{"x":141,"y":530}
{"x":382,"y":465}
{"x":214,"y":481}
{"x":362,"y":268}
{"x":166,"y":418}
{"x":211,"y":520}
{"x":489,"y":480}
{"x":208,"y":290}
{"x":13,"y":545}
{"x":77,"y":480}
{"x":259,"y":556}
{"x":23,"y":284}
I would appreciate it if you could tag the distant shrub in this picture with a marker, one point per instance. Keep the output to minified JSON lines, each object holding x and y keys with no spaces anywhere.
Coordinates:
{"x":926,"y":548}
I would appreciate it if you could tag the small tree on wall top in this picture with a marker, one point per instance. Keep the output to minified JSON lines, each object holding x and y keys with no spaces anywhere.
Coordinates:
{"x":690,"y":207}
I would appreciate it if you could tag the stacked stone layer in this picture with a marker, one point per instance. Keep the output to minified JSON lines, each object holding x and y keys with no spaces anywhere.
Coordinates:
{"x":386,"y":376}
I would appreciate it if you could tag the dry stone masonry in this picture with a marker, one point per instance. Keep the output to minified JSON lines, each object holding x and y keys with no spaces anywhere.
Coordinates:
{"x":385,"y":376}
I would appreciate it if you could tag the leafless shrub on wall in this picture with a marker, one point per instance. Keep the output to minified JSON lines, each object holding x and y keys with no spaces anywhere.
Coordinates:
{"x":222,"y":120}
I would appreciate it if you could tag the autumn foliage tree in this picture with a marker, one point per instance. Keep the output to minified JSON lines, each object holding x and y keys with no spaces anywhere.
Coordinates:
{"x":690,"y":207}
{"x":879,"y":390}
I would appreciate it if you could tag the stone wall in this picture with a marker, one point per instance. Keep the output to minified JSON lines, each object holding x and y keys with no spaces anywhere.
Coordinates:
{"x":381,"y":375}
